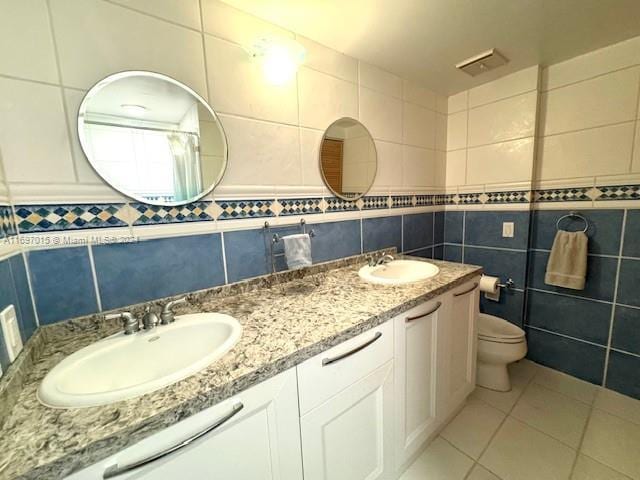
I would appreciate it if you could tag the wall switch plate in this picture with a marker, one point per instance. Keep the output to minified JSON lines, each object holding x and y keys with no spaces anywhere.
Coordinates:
{"x":11,"y":332}
{"x":507,"y":229}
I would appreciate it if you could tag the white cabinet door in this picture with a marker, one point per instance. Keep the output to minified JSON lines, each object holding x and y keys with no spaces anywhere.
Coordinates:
{"x":459,"y":342}
{"x":349,"y":437}
{"x":258,"y":439}
{"x":416,"y":372}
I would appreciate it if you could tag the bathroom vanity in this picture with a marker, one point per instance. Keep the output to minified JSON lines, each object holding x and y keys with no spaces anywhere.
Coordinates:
{"x":333,"y":378}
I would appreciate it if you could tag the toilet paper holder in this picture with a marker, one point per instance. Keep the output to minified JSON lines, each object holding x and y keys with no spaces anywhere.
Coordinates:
{"x":509,"y":284}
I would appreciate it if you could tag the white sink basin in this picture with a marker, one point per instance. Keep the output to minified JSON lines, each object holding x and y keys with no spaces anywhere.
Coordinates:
{"x":126,"y":366}
{"x":398,"y":272}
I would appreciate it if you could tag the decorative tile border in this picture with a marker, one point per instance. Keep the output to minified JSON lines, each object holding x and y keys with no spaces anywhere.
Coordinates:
{"x":574,"y":194}
{"x":157,"y":215}
{"x":506,"y":197}
{"x":618,"y":192}
{"x":52,"y":218}
{"x":425,"y":200}
{"x":300,"y":206}
{"x":375,"y":202}
{"x":235,"y":209}
{"x":401,"y":201}
{"x":335,"y":204}
{"x":7,"y":223}
{"x":469,"y":198}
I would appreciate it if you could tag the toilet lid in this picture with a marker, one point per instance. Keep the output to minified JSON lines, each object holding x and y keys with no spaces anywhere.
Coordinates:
{"x":496,"y":328}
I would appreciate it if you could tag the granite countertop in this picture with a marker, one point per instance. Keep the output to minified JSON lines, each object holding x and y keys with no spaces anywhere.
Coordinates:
{"x":286,"y":319}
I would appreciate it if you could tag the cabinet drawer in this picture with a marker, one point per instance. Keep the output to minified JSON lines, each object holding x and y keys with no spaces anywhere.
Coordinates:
{"x":326,"y":374}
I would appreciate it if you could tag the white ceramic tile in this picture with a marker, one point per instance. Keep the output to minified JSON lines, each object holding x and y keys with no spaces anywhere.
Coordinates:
{"x":597,"y":62}
{"x":457,"y":102}
{"x":597,"y":151}
{"x":588,"y":469}
{"x":614,"y":442}
{"x":26,"y":46}
{"x":635,"y":166}
{"x":389,"y":172}
{"x":96,"y":38}
{"x":457,"y":130}
{"x":501,"y":162}
{"x":440,"y":461}
{"x":618,"y":404}
{"x":503,"y":120}
{"x":419,"y":167}
{"x":440,"y":169}
{"x":471,"y":430}
{"x":184,"y":12}
{"x":600,"y":101}
{"x":553,"y":413}
{"x":418,"y":126}
{"x":380,"y":80}
{"x":329,"y":61}
{"x":441,"y":131}
{"x":31,"y":111}
{"x":442,"y":104}
{"x":519,"y":452}
{"x":86,"y":173}
{"x":419,"y":95}
{"x":481,"y":473}
{"x":381,"y":114}
{"x":309,"y":152}
{"x":324,"y":99}
{"x":226,"y":22}
{"x":456,"y":168}
{"x":237,"y":85}
{"x":523,"y":371}
{"x":566,"y":384}
{"x":519,"y":82}
{"x":520,"y":374}
{"x":261,"y":153}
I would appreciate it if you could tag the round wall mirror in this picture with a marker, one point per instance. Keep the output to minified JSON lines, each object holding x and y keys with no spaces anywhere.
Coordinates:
{"x":348,"y":159}
{"x":152,"y":138}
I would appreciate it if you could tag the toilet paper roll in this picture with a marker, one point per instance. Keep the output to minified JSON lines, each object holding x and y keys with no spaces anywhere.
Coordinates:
{"x":489,"y":285}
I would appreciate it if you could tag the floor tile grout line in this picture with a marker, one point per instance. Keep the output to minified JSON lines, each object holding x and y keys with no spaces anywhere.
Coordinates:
{"x":584,"y":433}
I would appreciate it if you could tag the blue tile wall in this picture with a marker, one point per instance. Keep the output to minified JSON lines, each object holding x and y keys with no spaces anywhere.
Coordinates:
{"x":383,"y":232}
{"x":622,"y":374}
{"x":130,"y":273}
{"x":485,"y":229}
{"x":631,"y":246}
{"x":417,"y":231}
{"x":580,"y":359}
{"x":62,"y":283}
{"x":438,"y":252}
{"x":7,"y":297}
{"x":499,"y":263}
{"x":423,"y":253}
{"x":26,"y":314}
{"x":453,"y":227}
{"x":452,"y":253}
{"x":246,"y":253}
{"x":438,"y":228}
{"x":335,"y":240}
{"x":626,"y":329}
{"x":510,"y":306}
{"x":629,"y":282}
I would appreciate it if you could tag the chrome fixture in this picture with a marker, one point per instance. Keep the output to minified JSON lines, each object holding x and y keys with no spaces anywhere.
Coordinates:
{"x":167,"y":316}
{"x":149,"y":319}
{"x":276,"y":239}
{"x":574,"y":215}
{"x":509,"y":284}
{"x":129,"y":322}
{"x":385,"y":258}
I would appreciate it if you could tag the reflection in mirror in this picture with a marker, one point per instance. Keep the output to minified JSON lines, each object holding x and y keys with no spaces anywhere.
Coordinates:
{"x":152,"y":138}
{"x":348,"y":159}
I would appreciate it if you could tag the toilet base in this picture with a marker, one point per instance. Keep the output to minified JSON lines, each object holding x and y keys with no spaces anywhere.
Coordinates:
{"x":493,"y":376}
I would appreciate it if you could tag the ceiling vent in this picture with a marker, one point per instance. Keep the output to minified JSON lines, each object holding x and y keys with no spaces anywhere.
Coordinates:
{"x":482,"y":62}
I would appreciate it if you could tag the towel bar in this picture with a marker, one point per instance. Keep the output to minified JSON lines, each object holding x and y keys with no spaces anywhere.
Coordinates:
{"x":276,"y":238}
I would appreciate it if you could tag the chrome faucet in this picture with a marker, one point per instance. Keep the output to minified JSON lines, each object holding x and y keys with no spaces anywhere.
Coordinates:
{"x":149,"y":319}
{"x":129,"y":322}
{"x":167,"y":316}
{"x":384,"y":259}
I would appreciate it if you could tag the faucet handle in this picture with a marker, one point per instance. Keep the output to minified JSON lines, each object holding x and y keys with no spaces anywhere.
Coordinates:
{"x":167,"y":316}
{"x":129,"y":322}
{"x":149,"y":319}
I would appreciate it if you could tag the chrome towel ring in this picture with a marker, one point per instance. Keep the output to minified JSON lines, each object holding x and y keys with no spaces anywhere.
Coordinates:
{"x":573,"y":215}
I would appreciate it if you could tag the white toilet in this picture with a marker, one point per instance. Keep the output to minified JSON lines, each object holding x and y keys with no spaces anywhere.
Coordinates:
{"x":499,"y":344}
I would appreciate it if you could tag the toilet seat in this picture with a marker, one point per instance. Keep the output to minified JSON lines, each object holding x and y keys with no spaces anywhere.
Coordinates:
{"x":498,"y":330}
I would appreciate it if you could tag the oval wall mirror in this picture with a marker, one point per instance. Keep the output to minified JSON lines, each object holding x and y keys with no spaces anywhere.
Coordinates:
{"x":348,"y":159}
{"x":152,"y":138}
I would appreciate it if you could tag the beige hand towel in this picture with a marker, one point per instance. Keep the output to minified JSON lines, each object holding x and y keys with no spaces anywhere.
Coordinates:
{"x":567,"y":265}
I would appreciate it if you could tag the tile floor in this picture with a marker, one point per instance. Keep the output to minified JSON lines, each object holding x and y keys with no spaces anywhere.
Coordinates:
{"x":549,"y":427}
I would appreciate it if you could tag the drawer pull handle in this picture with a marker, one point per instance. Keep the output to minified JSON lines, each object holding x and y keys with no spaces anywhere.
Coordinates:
{"x":475,"y":285}
{"x":329,"y":361}
{"x":115,"y":470}
{"x":426,"y":314}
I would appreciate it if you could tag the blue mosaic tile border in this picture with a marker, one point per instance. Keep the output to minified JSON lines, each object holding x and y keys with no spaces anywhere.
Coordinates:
{"x":335,"y":204}
{"x":300,"y":206}
{"x":619,"y":192}
{"x":236,"y":209}
{"x":469,"y":198}
{"x":51,"y":218}
{"x":7,"y":223}
{"x":574,"y":194}
{"x":425,"y":200}
{"x":507,"y":197}
{"x":157,"y":215}
{"x":401,"y":201}
{"x":375,"y":202}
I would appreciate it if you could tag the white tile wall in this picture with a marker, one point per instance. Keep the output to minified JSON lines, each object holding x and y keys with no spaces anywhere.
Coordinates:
{"x":414,"y":93}
{"x":323,"y":99}
{"x":458,"y":102}
{"x":389,"y":172}
{"x":456,"y":167}
{"x":457,"y":131}
{"x":382,"y":114}
{"x":523,"y":81}
{"x":184,"y":12}
{"x":503,"y":162}
{"x":419,"y":126}
{"x":309,"y":148}
{"x":635,"y":166}
{"x":379,"y":80}
{"x":26,"y":44}
{"x":329,"y":61}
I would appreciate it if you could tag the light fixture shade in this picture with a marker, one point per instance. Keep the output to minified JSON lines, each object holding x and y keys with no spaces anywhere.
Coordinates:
{"x":279,"y":58}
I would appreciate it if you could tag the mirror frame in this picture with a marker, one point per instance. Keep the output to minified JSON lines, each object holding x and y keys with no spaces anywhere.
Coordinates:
{"x":95,"y":89}
{"x":324,"y":179}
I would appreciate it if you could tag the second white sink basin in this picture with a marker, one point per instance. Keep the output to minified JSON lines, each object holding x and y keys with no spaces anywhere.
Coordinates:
{"x":126,"y":366}
{"x":398,"y":272}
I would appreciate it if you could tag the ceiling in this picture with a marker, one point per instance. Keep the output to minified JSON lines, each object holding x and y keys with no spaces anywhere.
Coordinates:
{"x":424,"y":39}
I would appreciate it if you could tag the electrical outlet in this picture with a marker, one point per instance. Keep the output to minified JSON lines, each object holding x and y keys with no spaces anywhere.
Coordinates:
{"x":11,"y":332}
{"x":507,"y":229}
